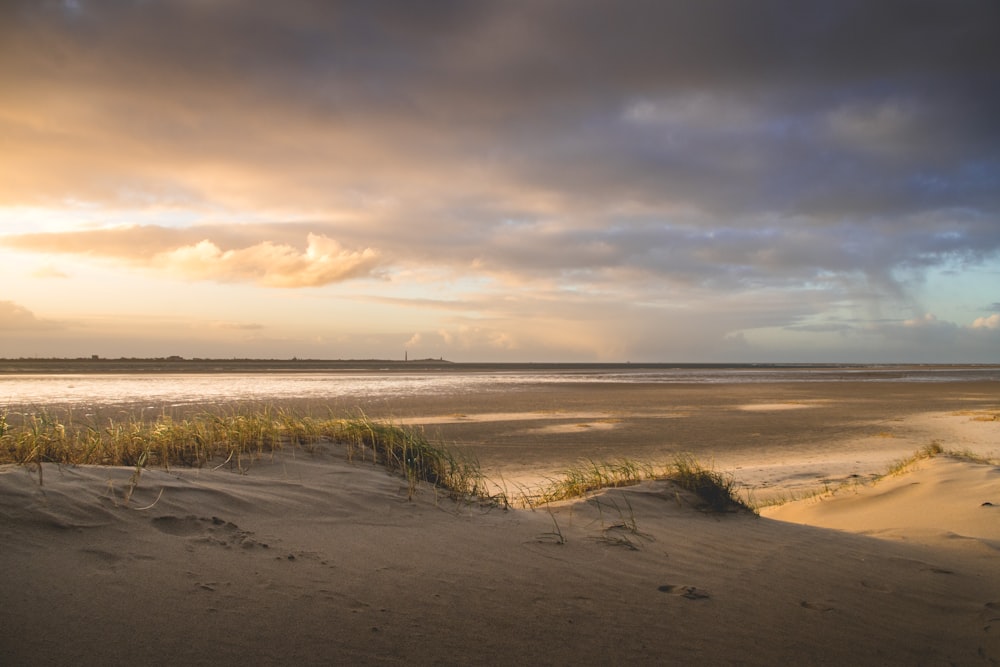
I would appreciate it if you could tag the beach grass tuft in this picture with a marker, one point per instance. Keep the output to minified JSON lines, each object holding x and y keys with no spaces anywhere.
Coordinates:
{"x":718,"y":492}
{"x":41,"y":437}
{"x":930,"y":451}
{"x":936,"y":449}
{"x":409,"y":452}
{"x":239,"y":437}
{"x":236,"y":438}
{"x":593,"y":476}
{"x":902,"y":465}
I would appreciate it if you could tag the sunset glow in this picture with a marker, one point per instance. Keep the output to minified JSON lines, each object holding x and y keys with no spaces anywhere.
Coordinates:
{"x":510,"y":181}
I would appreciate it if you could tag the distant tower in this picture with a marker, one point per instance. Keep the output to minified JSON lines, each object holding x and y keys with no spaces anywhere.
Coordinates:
{"x":406,"y":355}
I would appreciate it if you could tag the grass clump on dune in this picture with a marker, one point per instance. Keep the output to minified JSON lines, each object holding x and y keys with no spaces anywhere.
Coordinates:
{"x":932,"y":450}
{"x":410,"y":453}
{"x":578,"y":482}
{"x":236,"y":438}
{"x":927,"y":452}
{"x":43,"y":438}
{"x":718,"y":492}
{"x":899,"y":467}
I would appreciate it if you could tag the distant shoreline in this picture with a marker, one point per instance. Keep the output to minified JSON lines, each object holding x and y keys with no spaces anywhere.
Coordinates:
{"x":198,"y":365}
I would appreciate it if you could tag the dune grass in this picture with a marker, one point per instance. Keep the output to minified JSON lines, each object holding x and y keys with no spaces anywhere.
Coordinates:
{"x":409,"y":453}
{"x":902,"y":465}
{"x":899,"y":467}
{"x":718,"y":492}
{"x":236,"y":438}
{"x":239,"y":437}
{"x":42,"y":437}
{"x":935,"y":449}
{"x":931,"y":451}
{"x":591,"y":476}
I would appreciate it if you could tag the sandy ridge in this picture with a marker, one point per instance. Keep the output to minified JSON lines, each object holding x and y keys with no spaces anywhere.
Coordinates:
{"x":314,"y":559}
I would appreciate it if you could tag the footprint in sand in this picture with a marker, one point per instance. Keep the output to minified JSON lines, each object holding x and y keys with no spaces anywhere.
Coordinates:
{"x":102,"y":556}
{"x":881,"y":588}
{"x":206,"y":530}
{"x":111,"y":562}
{"x":174,"y":525}
{"x":689,"y":592}
{"x":990,"y":616}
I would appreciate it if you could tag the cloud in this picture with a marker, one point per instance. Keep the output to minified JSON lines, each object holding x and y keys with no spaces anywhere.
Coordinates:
{"x":989,"y":322}
{"x":267,"y":263}
{"x":324,"y":261}
{"x":713,"y":105}
{"x":929,"y":322}
{"x":925,"y":321}
{"x":930,"y":337}
{"x":138,"y":242}
{"x":480,"y":338}
{"x":49,"y":271}
{"x":645,"y":153}
{"x":237,"y":326}
{"x":17,"y":318}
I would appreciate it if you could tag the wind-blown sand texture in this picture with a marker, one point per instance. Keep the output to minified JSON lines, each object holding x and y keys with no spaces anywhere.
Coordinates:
{"x":311,"y":559}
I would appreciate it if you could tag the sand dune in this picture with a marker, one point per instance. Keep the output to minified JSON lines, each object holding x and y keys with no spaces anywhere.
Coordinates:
{"x":310,"y":559}
{"x":941,"y":502}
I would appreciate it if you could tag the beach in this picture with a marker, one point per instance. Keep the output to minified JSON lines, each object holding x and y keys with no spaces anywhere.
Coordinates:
{"x":784,"y":435}
{"x":307,"y":557}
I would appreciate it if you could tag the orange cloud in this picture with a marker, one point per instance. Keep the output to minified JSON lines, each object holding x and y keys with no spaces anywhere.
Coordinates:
{"x":49,"y":271}
{"x":230,"y":258}
{"x":270,"y":264}
{"x":18,"y":318}
{"x":991,"y":322}
{"x":236,"y":326}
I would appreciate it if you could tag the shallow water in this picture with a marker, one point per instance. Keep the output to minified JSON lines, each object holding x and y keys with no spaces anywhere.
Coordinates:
{"x":82,"y":389}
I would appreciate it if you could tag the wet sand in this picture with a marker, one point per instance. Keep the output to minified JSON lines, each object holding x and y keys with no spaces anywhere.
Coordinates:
{"x":773,"y":436}
{"x":767,"y":434}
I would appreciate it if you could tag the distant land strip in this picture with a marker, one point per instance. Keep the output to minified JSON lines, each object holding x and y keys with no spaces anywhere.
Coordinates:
{"x":176,"y":364}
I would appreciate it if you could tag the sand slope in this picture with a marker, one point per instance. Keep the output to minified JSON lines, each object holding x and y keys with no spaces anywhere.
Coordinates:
{"x":309,"y":559}
{"x":941,"y":501}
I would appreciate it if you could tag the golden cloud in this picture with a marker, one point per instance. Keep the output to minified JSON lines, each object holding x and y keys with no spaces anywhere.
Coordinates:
{"x":324,"y":261}
{"x":275,"y":263}
{"x":991,"y":322}
{"x":14,"y":317}
{"x":49,"y":271}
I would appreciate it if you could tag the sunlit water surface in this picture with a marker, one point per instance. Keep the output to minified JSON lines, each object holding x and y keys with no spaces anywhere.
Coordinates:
{"x":179,"y":389}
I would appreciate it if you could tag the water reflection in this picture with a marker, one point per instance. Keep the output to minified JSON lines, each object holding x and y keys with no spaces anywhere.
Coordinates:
{"x":177,"y":389}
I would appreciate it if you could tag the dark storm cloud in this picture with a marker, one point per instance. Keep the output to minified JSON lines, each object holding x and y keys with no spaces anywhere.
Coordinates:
{"x":716,"y":142}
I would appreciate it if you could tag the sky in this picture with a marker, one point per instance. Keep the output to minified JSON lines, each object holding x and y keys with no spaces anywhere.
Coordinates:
{"x":516,"y":180}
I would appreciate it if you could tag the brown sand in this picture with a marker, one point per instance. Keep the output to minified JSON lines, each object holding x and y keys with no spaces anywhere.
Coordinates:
{"x":310,"y":559}
{"x":781,"y":436}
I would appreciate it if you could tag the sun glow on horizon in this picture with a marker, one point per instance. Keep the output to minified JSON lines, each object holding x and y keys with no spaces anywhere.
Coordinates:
{"x":278,"y":187}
